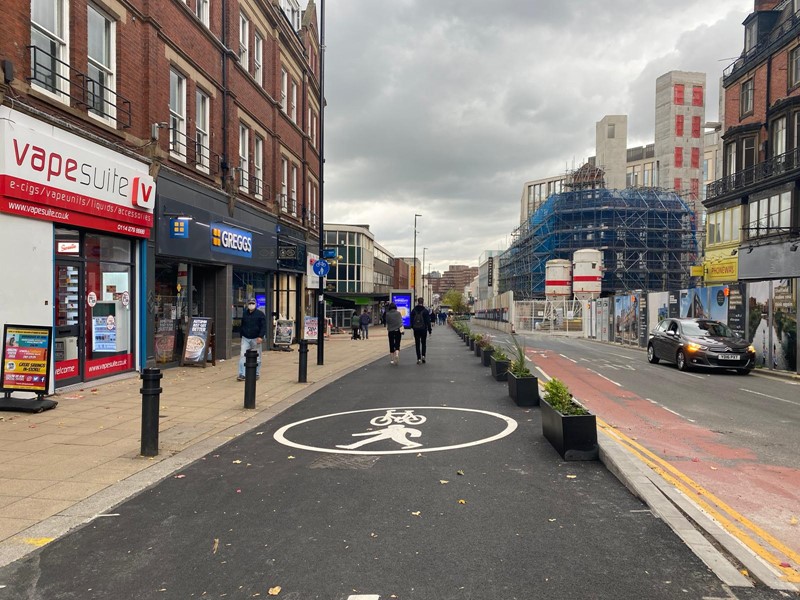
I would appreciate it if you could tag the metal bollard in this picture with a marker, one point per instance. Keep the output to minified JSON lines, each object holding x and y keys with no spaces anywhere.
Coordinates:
{"x":303,"y":368}
{"x":151,"y":396}
{"x":250,"y":368}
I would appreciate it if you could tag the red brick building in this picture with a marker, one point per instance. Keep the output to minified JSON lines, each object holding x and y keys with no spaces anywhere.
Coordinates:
{"x":457,"y":277}
{"x":198,"y":122}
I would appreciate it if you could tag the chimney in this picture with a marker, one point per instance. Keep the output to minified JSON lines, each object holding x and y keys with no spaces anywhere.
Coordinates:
{"x":765,"y":5}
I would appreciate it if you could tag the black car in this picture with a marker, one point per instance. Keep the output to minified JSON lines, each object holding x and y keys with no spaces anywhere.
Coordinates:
{"x":700,"y":343}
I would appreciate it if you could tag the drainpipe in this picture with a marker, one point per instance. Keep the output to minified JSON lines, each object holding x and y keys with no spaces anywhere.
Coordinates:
{"x":224,"y":165}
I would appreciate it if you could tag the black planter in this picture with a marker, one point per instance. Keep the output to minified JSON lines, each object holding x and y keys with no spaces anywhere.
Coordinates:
{"x":499,"y":368}
{"x":472,"y":344}
{"x":486,"y":354}
{"x":573,"y":436}
{"x":524,"y":391}
{"x":466,"y":339}
{"x":477,"y":350}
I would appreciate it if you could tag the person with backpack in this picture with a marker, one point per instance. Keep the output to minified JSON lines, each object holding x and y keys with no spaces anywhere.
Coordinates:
{"x":421,"y":324}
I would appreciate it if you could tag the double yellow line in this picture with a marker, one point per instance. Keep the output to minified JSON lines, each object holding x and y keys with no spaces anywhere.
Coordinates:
{"x":734,"y":523}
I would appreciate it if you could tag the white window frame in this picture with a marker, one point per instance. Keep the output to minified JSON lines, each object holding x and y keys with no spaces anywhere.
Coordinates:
{"x":202,"y":11}
{"x":747,"y":98}
{"x":177,"y":115}
{"x":258,"y":173}
{"x":294,"y":190}
{"x":293,"y":102}
{"x":108,"y":93}
{"x":258,"y":59}
{"x":61,"y":39}
{"x":244,"y":157}
{"x":244,"y":41}
{"x":730,"y":158}
{"x":778,"y":135}
{"x":312,"y":203}
{"x":202,"y":122}
{"x":794,"y":67}
{"x":284,"y":184}
{"x":284,"y":90}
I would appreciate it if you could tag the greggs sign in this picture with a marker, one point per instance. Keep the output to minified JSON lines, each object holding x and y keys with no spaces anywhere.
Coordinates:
{"x":47,"y":173}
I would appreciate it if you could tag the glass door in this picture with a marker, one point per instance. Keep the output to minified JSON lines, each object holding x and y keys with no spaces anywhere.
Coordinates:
{"x":69,"y":337}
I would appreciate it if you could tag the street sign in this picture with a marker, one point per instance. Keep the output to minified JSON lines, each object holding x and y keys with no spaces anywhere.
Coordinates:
{"x":329,"y":252}
{"x":321,"y":267}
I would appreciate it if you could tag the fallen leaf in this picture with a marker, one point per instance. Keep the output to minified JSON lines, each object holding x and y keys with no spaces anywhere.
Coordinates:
{"x":462,"y":501}
{"x":216,"y":545}
{"x":416,"y":514}
{"x":551,"y":520}
{"x":744,"y":572}
{"x":459,"y":472}
{"x":793,"y":521}
{"x":572,"y":476}
{"x":290,"y":457}
{"x":443,"y":481}
{"x":237,"y":462}
{"x":274,"y":591}
{"x":259,"y":433}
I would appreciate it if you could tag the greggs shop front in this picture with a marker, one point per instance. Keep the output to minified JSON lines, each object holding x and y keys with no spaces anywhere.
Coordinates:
{"x":73,"y":217}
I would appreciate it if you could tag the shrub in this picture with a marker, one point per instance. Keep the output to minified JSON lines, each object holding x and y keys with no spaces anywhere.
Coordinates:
{"x":499,"y":355}
{"x":557,"y":395}
{"x":518,"y":366}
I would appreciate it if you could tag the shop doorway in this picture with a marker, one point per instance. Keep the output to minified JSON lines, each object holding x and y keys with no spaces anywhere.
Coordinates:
{"x":69,"y":321}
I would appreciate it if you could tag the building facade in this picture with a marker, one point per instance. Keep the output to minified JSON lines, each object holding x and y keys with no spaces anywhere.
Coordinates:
{"x":753,"y":223}
{"x":178,"y":145}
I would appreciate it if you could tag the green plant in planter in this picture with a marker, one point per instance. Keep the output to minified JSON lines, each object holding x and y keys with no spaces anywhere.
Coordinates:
{"x":557,"y":395}
{"x":518,"y":366}
{"x":484,"y":341}
{"x":499,"y":355}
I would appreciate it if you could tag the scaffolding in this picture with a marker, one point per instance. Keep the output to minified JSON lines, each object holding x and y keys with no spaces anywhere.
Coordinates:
{"x":647,"y":237}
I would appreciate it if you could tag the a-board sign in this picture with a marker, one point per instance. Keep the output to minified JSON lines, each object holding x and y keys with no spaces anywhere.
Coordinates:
{"x":199,"y":342}
{"x":26,"y":358}
{"x":284,"y":332}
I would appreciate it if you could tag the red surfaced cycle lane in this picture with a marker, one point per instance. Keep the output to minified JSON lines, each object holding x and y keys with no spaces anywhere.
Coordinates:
{"x":762,"y":501}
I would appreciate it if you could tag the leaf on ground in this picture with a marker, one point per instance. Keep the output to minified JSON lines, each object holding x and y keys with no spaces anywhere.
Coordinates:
{"x":572,"y":476}
{"x":259,"y":433}
{"x":443,"y":481}
{"x":462,"y":501}
{"x":459,"y":472}
{"x":793,"y":521}
{"x":290,"y":457}
{"x":274,"y":591}
{"x":417,"y":513}
{"x":237,"y":462}
{"x":744,"y":572}
{"x":551,"y":520}
{"x":216,"y":545}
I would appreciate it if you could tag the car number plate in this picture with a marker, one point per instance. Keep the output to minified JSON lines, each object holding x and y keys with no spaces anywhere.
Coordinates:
{"x":729,"y":357}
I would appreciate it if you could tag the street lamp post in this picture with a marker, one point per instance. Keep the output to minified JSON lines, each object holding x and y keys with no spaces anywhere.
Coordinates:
{"x":423,"y":276}
{"x":414,"y":261}
{"x":322,"y":324}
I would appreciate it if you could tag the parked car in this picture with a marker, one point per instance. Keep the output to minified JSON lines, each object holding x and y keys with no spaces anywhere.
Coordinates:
{"x":700,"y":343}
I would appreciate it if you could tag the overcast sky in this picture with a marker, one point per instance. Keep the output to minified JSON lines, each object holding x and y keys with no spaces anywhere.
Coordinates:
{"x":446,"y":107}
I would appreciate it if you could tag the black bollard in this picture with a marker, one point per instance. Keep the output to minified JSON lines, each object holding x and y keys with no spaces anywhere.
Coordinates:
{"x":250,"y":368}
{"x":151,"y":396}
{"x":303,"y":369}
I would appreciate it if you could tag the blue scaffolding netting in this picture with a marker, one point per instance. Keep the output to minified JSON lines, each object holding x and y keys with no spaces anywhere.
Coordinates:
{"x":647,"y":237}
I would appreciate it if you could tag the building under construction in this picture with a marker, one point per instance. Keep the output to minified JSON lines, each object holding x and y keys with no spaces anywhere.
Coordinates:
{"x":647,"y":237}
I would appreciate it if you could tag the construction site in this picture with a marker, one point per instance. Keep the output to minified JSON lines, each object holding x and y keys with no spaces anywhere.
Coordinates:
{"x":647,"y":237}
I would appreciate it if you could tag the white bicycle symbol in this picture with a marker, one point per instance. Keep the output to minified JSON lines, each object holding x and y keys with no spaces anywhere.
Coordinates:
{"x":406,"y":417}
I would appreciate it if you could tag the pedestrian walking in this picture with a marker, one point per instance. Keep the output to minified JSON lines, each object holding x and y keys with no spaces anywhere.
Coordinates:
{"x":421,"y":324}
{"x":364,"y":320}
{"x":394,"y":325}
{"x":253,"y":330}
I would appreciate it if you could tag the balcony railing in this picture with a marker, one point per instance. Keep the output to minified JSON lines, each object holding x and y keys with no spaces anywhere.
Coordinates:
{"x":190,"y":150}
{"x":58,"y":77}
{"x":777,"y":37}
{"x":772,"y":168}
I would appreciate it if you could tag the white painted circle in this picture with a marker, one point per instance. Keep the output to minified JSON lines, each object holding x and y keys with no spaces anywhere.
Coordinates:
{"x":511,"y":426}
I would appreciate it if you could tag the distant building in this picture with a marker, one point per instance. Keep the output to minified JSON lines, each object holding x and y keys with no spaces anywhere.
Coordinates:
{"x":457,"y":277}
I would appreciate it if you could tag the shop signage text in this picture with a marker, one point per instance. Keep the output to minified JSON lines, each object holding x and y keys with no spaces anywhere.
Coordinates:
{"x":231,"y":240}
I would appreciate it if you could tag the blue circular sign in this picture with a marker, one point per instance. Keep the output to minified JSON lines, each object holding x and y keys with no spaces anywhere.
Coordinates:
{"x":321,"y":267}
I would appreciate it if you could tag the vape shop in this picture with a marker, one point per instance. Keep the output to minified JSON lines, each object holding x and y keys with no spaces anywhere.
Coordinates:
{"x":73,"y":215}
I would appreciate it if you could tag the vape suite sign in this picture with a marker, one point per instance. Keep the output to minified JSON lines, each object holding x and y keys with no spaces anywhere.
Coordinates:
{"x":50,"y":174}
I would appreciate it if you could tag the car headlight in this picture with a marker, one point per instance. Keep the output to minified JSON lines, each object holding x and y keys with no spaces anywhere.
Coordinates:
{"x":692,"y":347}
{"x":751,"y":349}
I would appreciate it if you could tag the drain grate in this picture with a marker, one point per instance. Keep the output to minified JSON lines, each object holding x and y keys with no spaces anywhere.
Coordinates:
{"x":341,"y":461}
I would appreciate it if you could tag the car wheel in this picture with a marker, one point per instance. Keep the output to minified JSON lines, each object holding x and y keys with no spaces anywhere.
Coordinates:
{"x":651,"y":355}
{"x":743,"y":371}
{"x":680,"y":360}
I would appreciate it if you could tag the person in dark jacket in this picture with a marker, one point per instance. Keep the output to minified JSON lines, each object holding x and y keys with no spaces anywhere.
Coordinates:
{"x":394,"y":325}
{"x":364,"y":320}
{"x":421,"y":324}
{"x":253,"y":330}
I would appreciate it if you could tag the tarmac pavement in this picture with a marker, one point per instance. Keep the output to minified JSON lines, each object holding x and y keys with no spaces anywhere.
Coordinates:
{"x":69,"y":466}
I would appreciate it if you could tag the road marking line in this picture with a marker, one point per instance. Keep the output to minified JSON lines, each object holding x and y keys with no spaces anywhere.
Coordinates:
{"x":364,"y":597}
{"x":737,"y":525}
{"x":604,"y":377}
{"x":545,"y":375}
{"x":693,"y":375}
{"x":768,"y":396}
{"x":568,"y":358}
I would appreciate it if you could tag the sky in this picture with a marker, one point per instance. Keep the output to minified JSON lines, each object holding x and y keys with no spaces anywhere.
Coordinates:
{"x":445,"y":108}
